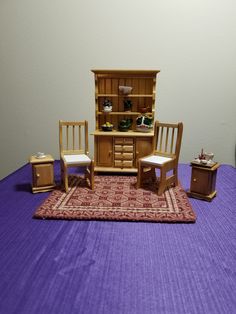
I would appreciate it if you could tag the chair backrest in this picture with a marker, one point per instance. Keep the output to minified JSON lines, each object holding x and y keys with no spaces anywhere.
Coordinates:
{"x":73,"y":137}
{"x":167,"y":139}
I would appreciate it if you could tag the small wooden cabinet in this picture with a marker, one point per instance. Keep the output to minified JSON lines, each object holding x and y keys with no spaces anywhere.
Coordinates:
{"x":42,"y":173}
{"x":203,"y":181}
{"x":117,"y":151}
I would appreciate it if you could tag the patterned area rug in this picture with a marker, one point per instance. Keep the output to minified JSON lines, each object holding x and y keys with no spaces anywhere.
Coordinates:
{"x":116,"y":198}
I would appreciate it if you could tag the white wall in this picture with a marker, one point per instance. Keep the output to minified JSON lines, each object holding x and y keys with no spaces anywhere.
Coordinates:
{"x":47,"y":49}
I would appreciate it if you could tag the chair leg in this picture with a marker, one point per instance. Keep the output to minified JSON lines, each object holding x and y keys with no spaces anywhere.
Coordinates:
{"x":153,"y":174}
{"x":92,"y":175}
{"x":138,"y":184}
{"x":162,"y":183}
{"x":62,"y":173}
{"x":66,"y":185}
{"x":65,"y":179}
{"x":175,"y":173}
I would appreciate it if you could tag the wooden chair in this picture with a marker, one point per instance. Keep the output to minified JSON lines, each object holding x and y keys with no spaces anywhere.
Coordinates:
{"x":165,"y":156}
{"x":73,"y":140}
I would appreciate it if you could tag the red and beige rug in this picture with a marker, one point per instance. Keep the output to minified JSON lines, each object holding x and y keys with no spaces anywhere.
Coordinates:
{"x":116,"y":198}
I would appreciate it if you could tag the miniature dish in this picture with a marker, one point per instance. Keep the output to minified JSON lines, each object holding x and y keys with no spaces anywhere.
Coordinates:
{"x":107,"y":109}
{"x":40,"y":155}
{"x":209,"y":156}
{"x":107,"y":128}
{"x":123,"y":128}
{"x":144,"y":128}
{"x":125,"y":89}
{"x":144,"y":109}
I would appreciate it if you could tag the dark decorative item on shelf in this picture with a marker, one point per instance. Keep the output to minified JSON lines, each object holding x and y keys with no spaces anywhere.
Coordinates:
{"x":201,"y":156}
{"x":127,"y":105}
{"x":107,"y":105}
{"x":125,"y":124}
{"x":125,"y":90}
{"x":107,"y":127}
{"x":144,"y":124}
{"x":144,"y":109}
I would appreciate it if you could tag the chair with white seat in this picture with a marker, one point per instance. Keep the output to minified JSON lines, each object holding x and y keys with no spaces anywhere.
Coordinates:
{"x":73,"y":141}
{"x":165,"y":156}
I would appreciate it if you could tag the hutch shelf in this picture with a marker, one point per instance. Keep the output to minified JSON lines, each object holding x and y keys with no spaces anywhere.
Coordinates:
{"x":115,"y":150}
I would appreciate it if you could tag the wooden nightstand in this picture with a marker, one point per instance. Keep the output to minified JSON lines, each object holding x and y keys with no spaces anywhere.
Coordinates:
{"x":42,"y":173}
{"x":203,"y":181}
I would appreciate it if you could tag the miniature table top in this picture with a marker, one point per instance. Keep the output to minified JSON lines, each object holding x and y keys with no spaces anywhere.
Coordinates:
{"x":211,"y":166}
{"x":35,"y":160}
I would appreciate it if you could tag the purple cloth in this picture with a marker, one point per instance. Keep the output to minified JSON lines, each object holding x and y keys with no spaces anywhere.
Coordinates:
{"x":53,"y":266}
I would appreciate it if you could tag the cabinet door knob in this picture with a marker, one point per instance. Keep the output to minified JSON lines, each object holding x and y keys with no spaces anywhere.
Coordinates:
{"x":194,"y":180}
{"x":37,"y":175}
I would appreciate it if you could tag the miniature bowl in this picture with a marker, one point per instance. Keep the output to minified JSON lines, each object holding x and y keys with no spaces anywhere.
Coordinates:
{"x":209,"y":156}
{"x":144,"y":128}
{"x":125,"y":89}
{"x":123,"y":128}
{"x":107,"y":128}
{"x":144,"y":109}
{"x":107,"y":109}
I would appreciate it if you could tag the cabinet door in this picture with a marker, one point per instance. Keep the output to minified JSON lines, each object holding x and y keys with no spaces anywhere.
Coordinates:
{"x":200,"y":182}
{"x":143,"y":147}
{"x":105,"y":151}
{"x":43,"y":174}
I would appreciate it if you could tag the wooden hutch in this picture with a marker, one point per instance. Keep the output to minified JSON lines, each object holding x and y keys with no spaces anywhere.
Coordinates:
{"x":118,"y":151}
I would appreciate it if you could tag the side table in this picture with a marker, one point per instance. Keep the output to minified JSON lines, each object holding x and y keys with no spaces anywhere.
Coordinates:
{"x":42,"y":173}
{"x":203,"y":181}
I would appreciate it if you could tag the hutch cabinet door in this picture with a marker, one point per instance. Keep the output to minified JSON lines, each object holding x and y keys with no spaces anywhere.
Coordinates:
{"x":104,"y":151}
{"x":143,"y":147}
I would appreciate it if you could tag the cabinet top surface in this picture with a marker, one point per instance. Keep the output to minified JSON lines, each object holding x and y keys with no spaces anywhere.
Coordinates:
{"x":116,"y":71}
{"x":34,"y":160}
{"x":215,"y":166}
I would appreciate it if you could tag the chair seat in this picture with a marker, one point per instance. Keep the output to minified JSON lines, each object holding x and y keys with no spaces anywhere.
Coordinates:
{"x":81,"y":159}
{"x":155,"y":160}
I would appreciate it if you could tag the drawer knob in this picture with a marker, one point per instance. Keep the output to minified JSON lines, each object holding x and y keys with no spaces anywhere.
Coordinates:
{"x":37,"y":175}
{"x":194,"y":180}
